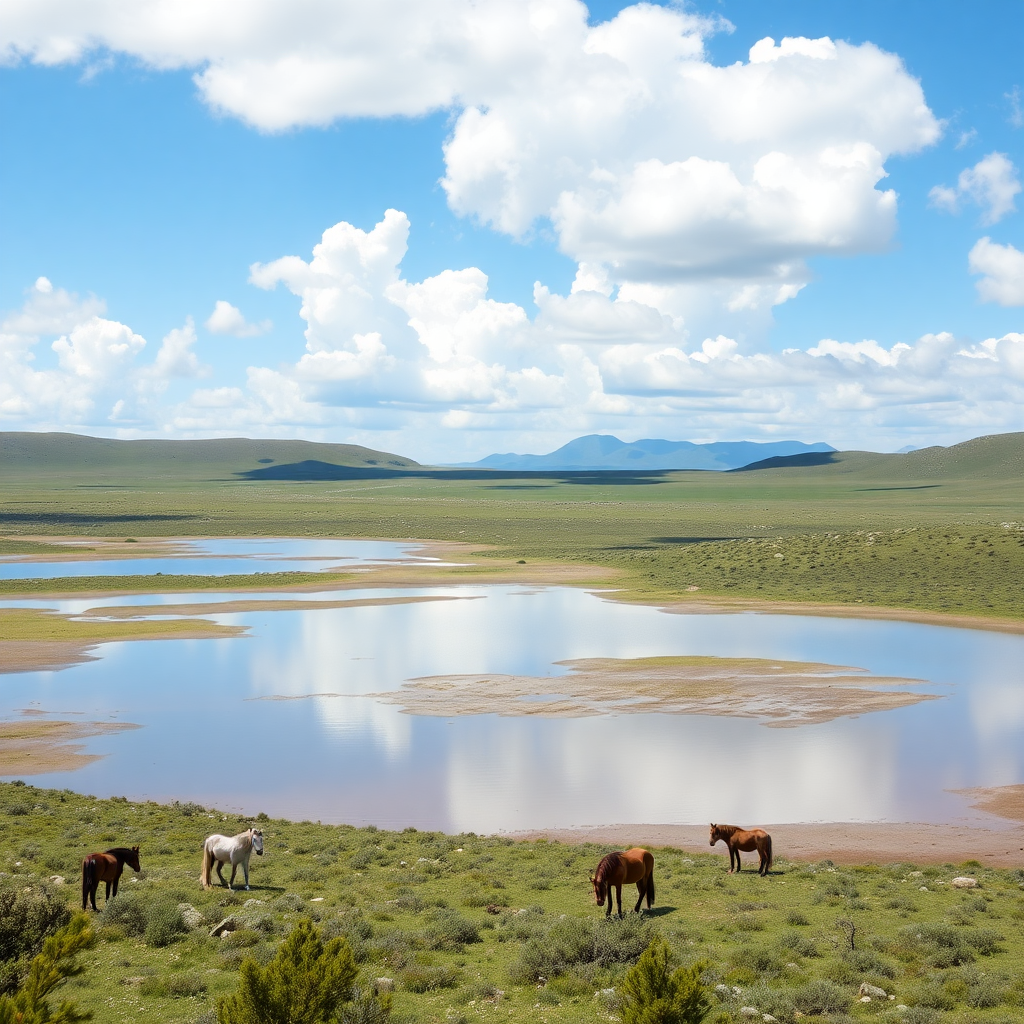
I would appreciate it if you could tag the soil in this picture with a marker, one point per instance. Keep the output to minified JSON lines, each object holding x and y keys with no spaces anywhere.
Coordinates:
{"x":35,"y":747}
{"x":779,"y":693}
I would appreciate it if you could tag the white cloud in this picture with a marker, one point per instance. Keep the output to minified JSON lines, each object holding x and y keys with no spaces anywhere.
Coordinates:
{"x":992,"y":184}
{"x":228,"y":319}
{"x":655,"y":166}
{"x":1003,"y":270}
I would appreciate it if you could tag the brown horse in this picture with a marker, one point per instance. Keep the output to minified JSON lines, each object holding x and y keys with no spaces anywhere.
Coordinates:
{"x":737,"y":839}
{"x":619,"y":869}
{"x":106,"y":867}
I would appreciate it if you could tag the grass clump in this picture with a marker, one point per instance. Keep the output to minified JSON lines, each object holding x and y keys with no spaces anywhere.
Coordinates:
{"x":652,"y":993}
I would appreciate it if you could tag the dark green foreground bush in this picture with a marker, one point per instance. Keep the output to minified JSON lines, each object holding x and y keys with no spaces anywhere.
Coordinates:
{"x":652,"y":993}
{"x":26,"y":921}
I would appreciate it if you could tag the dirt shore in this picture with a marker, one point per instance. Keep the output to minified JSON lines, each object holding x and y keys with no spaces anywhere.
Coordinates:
{"x":1001,"y":845}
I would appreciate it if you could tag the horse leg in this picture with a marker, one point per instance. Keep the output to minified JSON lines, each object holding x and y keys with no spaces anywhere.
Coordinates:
{"x":763,"y":868}
{"x":234,"y":869}
{"x":92,"y":896}
{"x":739,"y":864}
{"x":220,"y":873}
{"x":245,"y":871}
{"x":618,"y":897}
{"x":641,"y":888}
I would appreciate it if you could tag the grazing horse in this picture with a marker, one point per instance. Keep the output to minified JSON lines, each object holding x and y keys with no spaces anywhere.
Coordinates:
{"x":618,"y":869}
{"x":737,"y":839}
{"x":234,"y":851}
{"x":106,"y":867}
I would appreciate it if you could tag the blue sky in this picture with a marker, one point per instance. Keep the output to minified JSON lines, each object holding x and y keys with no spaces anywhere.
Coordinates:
{"x":718,"y":261}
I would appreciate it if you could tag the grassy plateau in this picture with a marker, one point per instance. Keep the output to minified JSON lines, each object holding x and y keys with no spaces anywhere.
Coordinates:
{"x":938,"y":530}
{"x":474,"y":928}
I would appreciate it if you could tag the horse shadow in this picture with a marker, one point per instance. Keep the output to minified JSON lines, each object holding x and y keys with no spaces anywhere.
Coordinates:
{"x":659,"y":911}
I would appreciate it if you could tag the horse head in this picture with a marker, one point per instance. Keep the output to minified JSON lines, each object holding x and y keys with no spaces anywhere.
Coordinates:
{"x":715,"y":836}
{"x":600,"y":889}
{"x":133,"y":859}
{"x":257,"y":841}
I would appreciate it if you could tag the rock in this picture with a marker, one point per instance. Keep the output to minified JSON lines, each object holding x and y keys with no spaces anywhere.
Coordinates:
{"x":191,"y":916}
{"x":229,"y":924}
{"x":749,"y":1011}
{"x":872,"y":991}
{"x":384,"y":985}
{"x":723,"y":990}
{"x":963,"y":882}
{"x":865,"y":999}
{"x":768,"y":1018}
{"x":923,"y":888}
{"x":57,"y":879}
{"x":316,"y":899}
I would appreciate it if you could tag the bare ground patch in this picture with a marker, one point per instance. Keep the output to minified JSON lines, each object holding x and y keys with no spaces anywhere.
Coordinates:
{"x":779,"y":693}
{"x":34,"y":747}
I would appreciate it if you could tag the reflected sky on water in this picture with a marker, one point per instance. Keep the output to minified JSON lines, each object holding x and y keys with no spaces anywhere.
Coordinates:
{"x":207,"y":736}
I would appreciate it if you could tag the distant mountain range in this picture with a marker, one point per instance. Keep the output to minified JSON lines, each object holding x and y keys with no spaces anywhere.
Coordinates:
{"x":603,"y":451}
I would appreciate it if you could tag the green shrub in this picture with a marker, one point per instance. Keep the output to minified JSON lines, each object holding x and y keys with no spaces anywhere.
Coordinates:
{"x":307,"y":982}
{"x":448,"y":929}
{"x":26,"y":921}
{"x":795,"y":917}
{"x":164,"y":923}
{"x":126,"y":911}
{"x":575,"y":942}
{"x":57,"y":962}
{"x":186,"y":986}
{"x":652,"y":993}
{"x":821,"y":997}
{"x":420,"y":978}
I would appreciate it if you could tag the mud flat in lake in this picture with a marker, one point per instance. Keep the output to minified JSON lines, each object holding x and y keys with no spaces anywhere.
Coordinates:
{"x":35,"y":747}
{"x":781,"y":693}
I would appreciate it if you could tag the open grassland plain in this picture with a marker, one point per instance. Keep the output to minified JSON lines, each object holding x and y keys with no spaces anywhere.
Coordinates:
{"x":469,"y":928}
{"x":937,"y":531}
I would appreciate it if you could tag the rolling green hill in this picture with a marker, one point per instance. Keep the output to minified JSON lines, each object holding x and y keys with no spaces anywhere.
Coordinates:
{"x":31,"y":454}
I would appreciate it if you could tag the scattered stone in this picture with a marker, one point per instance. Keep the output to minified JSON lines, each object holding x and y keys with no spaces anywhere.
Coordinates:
{"x":872,"y":991}
{"x":865,"y":999}
{"x":191,"y":916}
{"x":402,"y":864}
{"x":768,"y":1018}
{"x":723,"y":990}
{"x":923,"y":888}
{"x":384,"y":985}
{"x":229,"y":924}
{"x":963,"y":882}
{"x":749,"y":1011}
{"x":57,"y":879}
{"x":317,"y":899}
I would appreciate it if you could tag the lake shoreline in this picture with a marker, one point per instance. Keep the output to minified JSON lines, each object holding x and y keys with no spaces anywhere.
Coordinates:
{"x":848,"y":843}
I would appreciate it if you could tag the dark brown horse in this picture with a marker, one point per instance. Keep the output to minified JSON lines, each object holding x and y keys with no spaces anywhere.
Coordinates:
{"x":737,"y":839}
{"x":619,"y":869}
{"x":106,"y":867}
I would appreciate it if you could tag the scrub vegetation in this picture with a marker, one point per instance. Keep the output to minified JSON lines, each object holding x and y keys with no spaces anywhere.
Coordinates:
{"x":939,"y":530}
{"x":465,"y":928}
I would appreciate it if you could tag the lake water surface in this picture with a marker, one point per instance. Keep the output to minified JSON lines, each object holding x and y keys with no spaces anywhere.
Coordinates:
{"x":210,"y":735}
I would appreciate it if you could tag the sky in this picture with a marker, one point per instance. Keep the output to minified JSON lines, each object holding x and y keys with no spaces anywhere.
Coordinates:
{"x":457,"y":227}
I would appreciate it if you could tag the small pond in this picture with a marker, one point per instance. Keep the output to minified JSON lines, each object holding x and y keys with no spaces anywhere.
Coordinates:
{"x":210,"y":735}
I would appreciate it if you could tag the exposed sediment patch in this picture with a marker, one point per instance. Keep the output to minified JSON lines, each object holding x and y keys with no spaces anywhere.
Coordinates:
{"x":779,"y":693}
{"x":35,"y":747}
{"x":1002,"y":801}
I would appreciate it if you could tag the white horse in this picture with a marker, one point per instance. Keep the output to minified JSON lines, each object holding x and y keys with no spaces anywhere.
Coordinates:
{"x":234,"y":851}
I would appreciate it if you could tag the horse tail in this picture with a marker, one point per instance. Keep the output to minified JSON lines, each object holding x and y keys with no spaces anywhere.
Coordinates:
{"x":204,"y":875}
{"x":768,"y":850}
{"x":650,"y":888}
{"x":88,"y":877}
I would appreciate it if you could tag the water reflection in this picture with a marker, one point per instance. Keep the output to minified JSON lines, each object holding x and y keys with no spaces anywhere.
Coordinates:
{"x":347,"y":757}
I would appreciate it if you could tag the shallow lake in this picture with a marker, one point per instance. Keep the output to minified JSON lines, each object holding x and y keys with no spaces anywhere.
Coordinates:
{"x":208,"y":736}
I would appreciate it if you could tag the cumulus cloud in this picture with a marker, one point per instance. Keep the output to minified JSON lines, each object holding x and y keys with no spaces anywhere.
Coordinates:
{"x":94,"y":377}
{"x":1002,"y":267}
{"x":992,"y":184}
{"x":419,"y":359}
{"x":653,"y":165}
{"x":228,"y":319}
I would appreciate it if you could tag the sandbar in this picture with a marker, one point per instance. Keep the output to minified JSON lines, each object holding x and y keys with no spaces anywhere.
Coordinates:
{"x":35,"y":747}
{"x":778,"y":693}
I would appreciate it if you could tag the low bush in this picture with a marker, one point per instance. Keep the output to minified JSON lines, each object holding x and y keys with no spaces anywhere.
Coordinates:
{"x":127,"y":912}
{"x":821,"y":997}
{"x":164,"y":923}
{"x":27,"y":919}
{"x":448,"y":929}
{"x":424,"y":978}
{"x":652,"y":993}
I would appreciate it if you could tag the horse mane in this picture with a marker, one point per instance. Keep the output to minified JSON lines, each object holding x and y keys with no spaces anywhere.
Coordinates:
{"x":121,"y":852}
{"x":726,"y":831}
{"x":609,"y":862}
